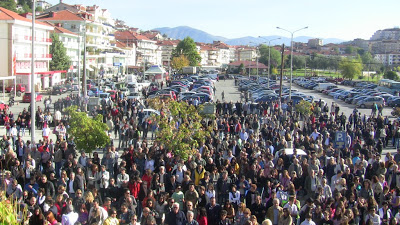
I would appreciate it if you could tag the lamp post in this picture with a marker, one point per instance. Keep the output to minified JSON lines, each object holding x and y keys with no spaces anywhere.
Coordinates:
{"x":269,"y":55}
{"x":291,"y":56}
{"x":33,"y":91}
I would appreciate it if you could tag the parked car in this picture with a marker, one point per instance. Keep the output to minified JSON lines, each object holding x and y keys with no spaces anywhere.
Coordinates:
{"x":19,"y":87}
{"x":370,"y":101}
{"x":134,"y":95}
{"x":27,"y":97}
{"x":57,"y":90}
{"x":395,"y":103}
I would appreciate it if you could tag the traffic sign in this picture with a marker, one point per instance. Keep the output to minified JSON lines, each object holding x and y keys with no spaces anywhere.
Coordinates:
{"x":340,"y":139}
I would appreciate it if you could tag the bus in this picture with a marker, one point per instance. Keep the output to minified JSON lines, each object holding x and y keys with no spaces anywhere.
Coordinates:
{"x":389,"y":86}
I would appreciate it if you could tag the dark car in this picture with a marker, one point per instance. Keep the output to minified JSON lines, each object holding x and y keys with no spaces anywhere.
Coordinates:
{"x":395,"y":103}
{"x":69,"y":87}
{"x":57,"y":90}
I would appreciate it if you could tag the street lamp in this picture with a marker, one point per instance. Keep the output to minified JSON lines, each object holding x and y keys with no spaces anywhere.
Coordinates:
{"x":33,"y":78}
{"x":291,"y":55}
{"x":269,"y":55}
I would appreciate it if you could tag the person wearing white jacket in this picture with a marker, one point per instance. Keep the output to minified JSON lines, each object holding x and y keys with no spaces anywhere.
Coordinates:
{"x":234,"y":196}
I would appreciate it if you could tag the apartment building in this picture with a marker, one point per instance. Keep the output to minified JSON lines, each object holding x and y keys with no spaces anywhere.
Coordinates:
{"x":72,"y":43}
{"x":95,"y":25}
{"x":148,"y":52}
{"x":16,"y":54}
{"x":167,"y":47}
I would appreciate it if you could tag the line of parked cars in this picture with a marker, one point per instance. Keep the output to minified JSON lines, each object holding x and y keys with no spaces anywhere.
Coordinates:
{"x":363,"y":95}
{"x":191,"y":87}
{"x":259,"y":91}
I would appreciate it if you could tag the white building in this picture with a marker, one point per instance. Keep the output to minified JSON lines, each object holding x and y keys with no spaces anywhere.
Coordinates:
{"x":71,"y":42}
{"x":43,"y":4}
{"x":148,"y":52}
{"x":388,"y":59}
{"x":16,"y":54}
{"x":99,"y":33}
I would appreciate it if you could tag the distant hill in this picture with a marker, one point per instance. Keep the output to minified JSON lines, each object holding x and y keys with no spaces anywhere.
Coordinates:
{"x":184,"y":31}
{"x":201,"y":36}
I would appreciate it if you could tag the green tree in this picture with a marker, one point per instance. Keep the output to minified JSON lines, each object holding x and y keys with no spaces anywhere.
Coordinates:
{"x":9,"y":4}
{"x":187,"y":47}
{"x":60,"y":60}
{"x":350,"y":68}
{"x":391,"y":75}
{"x":240,"y":68}
{"x":179,"y":62}
{"x":39,"y":9}
{"x":181,"y":131}
{"x":275,"y":56}
{"x":350,"y":50}
{"x":298,"y":62}
{"x":304,"y":108}
{"x":89,"y":133}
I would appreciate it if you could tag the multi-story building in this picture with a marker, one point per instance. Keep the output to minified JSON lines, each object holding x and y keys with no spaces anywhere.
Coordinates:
{"x":315,"y":43}
{"x":147,"y":50}
{"x":72,"y":43}
{"x":167,"y":47}
{"x":16,"y":54}
{"x":93,"y":23}
{"x":245,"y":53}
{"x":386,"y":34}
{"x":43,"y":4}
{"x":385,"y":46}
{"x":389,"y":59}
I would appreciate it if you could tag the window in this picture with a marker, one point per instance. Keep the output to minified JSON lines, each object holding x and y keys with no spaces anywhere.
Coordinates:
{"x":73,"y":26}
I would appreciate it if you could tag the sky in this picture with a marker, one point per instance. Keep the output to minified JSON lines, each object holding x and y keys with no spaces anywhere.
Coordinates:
{"x":343,"y":19}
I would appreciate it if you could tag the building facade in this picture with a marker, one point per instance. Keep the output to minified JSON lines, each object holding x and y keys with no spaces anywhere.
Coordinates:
{"x":16,"y":54}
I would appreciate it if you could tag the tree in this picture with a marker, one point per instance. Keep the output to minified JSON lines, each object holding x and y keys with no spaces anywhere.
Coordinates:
{"x":275,"y":56}
{"x":304,"y":108}
{"x":350,"y":50}
{"x":179,"y":62}
{"x":240,"y":68}
{"x":60,"y":60}
{"x":391,"y":75}
{"x":39,"y":9}
{"x":298,"y":62}
{"x":9,"y":4}
{"x":89,"y":133}
{"x":181,"y":131}
{"x":350,"y":67}
{"x":188,"y":48}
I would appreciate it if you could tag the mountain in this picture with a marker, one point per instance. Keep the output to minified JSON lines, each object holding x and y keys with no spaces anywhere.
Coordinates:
{"x":201,"y":36}
{"x":184,"y":31}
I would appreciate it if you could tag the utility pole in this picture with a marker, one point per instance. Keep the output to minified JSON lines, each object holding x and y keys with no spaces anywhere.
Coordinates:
{"x":280,"y":85}
{"x":33,"y":77}
{"x":79,"y":65}
{"x":84,"y":88}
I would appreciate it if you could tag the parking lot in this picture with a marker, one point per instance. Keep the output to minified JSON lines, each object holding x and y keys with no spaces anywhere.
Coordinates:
{"x":344,"y":107}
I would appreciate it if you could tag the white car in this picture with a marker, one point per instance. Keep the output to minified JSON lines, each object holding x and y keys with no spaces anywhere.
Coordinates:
{"x":134,"y":95}
{"x":150,"y":112}
{"x":125,"y":91}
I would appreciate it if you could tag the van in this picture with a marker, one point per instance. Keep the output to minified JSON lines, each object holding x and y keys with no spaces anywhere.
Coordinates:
{"x":324,"y":86}
{"x":130,"y":79}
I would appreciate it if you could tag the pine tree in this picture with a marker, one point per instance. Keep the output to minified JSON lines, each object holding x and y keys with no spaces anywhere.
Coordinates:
{"x":60,"y":60}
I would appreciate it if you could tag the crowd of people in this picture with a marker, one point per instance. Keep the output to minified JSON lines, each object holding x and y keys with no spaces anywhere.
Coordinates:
{"x":263,"y":163}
